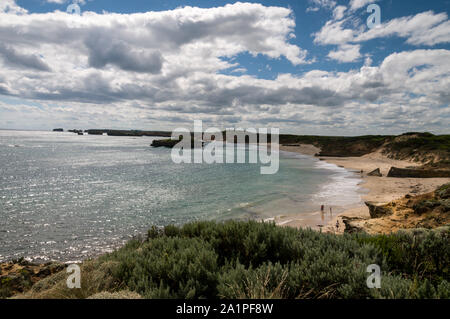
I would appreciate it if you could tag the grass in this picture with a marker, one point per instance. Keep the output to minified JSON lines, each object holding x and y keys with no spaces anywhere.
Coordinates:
{"x":261,"y":260}
{"x":420,"y":147}
{"x":339,"y":145}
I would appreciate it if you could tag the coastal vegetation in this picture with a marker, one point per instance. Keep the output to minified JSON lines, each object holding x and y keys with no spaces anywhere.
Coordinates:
{"x":19,"y":275}
{"x":430,"y":210}
{"x":262,"y":260}
{"x":339,"y":146}
{"x":137,"y":133}
{"x":433,"y":151}
{"x":426,"y":148}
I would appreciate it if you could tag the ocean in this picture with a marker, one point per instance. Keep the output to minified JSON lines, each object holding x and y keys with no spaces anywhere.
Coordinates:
{"x":67,"y":197}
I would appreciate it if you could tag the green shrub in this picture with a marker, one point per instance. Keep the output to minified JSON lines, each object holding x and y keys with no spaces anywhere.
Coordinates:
{"x":418,"y":254}
{"x":443,"y":290}
{"x":261,"y":260}
{"x":168,"y":267}
{"x":318,"y":264}
{"x":268,"y":281}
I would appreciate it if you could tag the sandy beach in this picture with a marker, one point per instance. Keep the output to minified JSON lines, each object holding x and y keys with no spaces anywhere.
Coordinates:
{"x":378,"y":189}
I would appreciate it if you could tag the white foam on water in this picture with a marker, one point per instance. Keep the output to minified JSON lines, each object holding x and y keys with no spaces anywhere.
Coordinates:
{"x":341,"y":190}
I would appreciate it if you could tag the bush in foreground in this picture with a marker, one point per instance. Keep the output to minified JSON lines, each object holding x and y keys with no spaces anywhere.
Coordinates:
{"x":260,"y":260}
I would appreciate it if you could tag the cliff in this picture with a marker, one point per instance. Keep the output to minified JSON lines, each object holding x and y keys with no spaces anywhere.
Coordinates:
{"x":417,"y":173}
{"x":428,"y":211}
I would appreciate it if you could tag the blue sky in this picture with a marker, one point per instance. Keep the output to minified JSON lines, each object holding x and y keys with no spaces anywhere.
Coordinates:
{"x":308,"y":77}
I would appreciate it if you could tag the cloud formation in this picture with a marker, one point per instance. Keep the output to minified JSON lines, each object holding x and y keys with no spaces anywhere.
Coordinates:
{"x":357,"y":4}
{"x":109,"y":70}
{"x":346,"y":53}
{"x":12,"y":58}
{"x":426,"y":28}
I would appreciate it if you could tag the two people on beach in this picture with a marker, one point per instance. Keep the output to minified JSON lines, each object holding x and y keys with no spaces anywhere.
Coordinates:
{"x":322,"y":211}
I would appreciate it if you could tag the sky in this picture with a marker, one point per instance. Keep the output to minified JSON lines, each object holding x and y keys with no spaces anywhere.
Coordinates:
{"x":312,"y":67}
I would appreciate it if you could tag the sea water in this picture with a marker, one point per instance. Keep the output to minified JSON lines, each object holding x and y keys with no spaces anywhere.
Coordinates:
{"x":68,"y":197}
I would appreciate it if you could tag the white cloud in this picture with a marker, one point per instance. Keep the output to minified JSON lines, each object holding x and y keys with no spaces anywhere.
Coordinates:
{"x":82,"y":2}
{"x":10,"y":6}
{"x":319,"y":4}
{"x":312,"y":9}
{"x":239,"y":70}
{"x":426,"y":28}
{"x":357,"y":4}
{"x":157,"y":69}
{"x":214,"y":32}
{"x":346,"y":53}
{"x":324,"y":3}
{"x":339,"y":12}
{"x":334,"y":32}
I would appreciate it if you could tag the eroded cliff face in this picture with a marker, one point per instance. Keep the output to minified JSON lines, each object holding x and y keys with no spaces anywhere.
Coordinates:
{"x":425,"y":149}
{"x":417,"y":173}
{"x":18,"y":276}
{"x":432,"y":151}
{"x":428,"y":211}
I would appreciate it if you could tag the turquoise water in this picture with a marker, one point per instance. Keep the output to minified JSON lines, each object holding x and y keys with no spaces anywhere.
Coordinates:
{"x":68,"y":197}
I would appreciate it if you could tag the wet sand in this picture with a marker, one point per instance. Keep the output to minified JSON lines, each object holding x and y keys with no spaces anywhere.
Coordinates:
{"x":378,"y":189}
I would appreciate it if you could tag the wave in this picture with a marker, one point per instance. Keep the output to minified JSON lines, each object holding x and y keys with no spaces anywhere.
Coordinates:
{"x":341,"y":190}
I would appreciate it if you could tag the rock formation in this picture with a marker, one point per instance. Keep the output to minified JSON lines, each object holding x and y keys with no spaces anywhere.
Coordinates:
{"x":18,"y":276}
{"x":379,"y":210}
{"x":428,"y":211}
{"x":376,"y":172}
{"x":417,"y":173}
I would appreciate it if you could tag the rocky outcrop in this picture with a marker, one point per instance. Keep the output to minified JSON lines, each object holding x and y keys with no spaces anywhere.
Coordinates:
{"x":18,"y":276}
{"x":376,"y":172}
{"x":377,"y":210}
{"x":351,"y":226}
{"x":75,"y":131}
{"x":169,"y":143}
{"x":127,"y":132}
{"x":443,"y":192}
{"x":165,"y":143}
{"x":427,"y":206}
{"x":429,"y":211}
{"x":417,"y":173}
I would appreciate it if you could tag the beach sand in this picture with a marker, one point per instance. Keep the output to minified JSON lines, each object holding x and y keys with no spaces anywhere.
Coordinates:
{"x":379,"y":189}
{"x":301,"y":148}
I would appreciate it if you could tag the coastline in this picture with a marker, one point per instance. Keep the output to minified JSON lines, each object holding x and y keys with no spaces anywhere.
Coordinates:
{"x":378,"y":189}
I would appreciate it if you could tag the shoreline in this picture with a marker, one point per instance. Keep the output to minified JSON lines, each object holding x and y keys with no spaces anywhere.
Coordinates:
{"x":377,"y":189}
